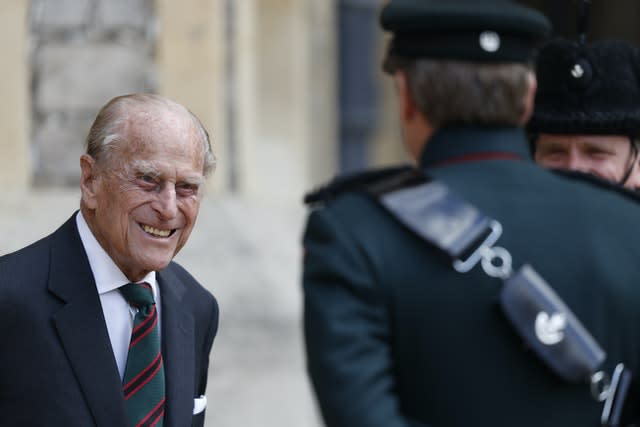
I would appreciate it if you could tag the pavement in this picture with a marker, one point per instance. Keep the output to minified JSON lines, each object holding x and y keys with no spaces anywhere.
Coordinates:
{"x":247,"y":253}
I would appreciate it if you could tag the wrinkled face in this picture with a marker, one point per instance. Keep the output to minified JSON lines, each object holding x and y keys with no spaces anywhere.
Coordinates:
{"x":606,"y":156}
{"x":143,"y":203}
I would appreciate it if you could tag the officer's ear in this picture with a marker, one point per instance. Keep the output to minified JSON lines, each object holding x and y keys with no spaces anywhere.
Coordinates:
{"x":416,"y":129}
{"x":530,"y":98}
{"x":406,"y":103}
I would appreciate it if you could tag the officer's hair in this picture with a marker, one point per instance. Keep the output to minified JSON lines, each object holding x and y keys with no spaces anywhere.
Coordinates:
{"x":456,"y":92}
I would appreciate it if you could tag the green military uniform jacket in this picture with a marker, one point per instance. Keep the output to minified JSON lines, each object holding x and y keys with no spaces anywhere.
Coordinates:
{"x":395,"y":337}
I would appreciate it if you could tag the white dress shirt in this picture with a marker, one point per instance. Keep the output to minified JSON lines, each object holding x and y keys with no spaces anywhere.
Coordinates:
{"x":118,"y":314}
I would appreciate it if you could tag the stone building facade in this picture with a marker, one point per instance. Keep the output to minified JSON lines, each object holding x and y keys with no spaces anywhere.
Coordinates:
{"x":257,"y":72}
{"x":15,"y":147}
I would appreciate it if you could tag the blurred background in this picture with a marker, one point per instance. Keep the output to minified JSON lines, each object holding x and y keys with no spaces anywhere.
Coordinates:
{"x":291,"y":92}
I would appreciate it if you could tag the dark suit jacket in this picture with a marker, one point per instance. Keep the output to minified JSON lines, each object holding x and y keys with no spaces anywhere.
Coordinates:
{"x":56,"y":363}
{"x":395,"y":337}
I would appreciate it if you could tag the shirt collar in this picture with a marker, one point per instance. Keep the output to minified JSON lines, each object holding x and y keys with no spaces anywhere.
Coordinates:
{"x":106,"y":273}
{"x":454,"y":142}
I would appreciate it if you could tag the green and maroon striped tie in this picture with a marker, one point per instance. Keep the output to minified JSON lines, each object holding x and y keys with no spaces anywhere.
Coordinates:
{"x":143,"y":383}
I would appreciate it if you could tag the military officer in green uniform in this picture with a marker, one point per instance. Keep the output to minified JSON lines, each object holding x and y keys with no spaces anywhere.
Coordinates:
{"x":395,"y":335}
{"x":587,"y":109}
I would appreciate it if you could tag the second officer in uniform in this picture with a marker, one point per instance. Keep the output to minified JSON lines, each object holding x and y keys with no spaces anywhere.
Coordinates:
{"x":395,"y":336}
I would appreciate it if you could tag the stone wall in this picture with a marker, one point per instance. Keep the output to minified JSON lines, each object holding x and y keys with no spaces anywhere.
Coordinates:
{"x":83,"y":53}
{"x":258,"y":73}
{"x":15,"y":165}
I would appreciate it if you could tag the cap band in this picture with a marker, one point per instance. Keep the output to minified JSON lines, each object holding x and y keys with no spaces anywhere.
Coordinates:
{"x":475,"y":46}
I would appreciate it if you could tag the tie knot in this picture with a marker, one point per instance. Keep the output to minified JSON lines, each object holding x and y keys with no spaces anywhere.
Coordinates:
{"x":138,"y":294}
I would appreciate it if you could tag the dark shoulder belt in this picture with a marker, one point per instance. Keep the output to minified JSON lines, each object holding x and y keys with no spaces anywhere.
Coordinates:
{"x":356,"y":181}
{"x":467,"y":236}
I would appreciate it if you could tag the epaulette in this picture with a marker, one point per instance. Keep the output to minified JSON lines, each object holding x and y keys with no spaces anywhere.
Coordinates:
{"x":370,"y":180}
{"x":599,"y":182}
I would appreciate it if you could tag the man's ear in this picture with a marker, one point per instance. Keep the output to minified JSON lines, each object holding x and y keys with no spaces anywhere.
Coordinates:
{"x":530,"y":98}
{"x":405,"y":101}
{"x":88,"y":184}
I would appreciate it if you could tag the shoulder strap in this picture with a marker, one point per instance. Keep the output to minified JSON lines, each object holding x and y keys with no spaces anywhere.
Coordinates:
{"x":358,"y":181}
{"x":433,"y":212}
{"x":449,"y":223}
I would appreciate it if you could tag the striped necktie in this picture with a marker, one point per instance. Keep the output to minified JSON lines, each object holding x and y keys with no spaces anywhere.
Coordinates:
{"x":143,"y":383}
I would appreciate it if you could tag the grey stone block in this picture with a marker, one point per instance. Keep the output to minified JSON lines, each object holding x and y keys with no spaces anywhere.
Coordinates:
{"x":59,"y":142}
{"x":136,"y":14}
{"x":77,"y":78}
{"x":52,"y":15}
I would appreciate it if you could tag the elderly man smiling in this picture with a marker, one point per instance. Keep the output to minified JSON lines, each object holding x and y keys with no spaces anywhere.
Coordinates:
{"x":99,"y":326}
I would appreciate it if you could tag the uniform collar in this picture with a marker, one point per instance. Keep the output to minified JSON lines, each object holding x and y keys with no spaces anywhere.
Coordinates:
{"x":462,"y":144}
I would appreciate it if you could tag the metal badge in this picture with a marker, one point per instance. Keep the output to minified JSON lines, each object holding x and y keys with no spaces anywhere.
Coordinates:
{"x":615,"y":396}
{"x":580,"y":74}
{"x":489,"y":41}
{"x":550,"y":329}
{"x":495,"y":261}
{"x":577,"y":71}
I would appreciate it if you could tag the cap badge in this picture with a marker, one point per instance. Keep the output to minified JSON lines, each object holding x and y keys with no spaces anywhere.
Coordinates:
{"x":580,"y":74}
{"x":489,"y":41}
{"x":577,"y":71}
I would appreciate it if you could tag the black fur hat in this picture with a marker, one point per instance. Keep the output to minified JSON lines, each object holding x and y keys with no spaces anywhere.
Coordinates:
{"x":587,"y":88}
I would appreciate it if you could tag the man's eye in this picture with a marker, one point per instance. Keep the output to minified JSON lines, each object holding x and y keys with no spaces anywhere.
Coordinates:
{"x":598,"y":152}
{"x":187,"y":189}
{"x":146,"y":181}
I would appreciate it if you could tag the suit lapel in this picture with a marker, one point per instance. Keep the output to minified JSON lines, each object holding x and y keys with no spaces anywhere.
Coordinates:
{"x":177,"y":350}
{"x":82,"y":329}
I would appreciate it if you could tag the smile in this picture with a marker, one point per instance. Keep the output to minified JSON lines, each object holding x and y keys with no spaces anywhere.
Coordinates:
{"x":156,"y":232}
